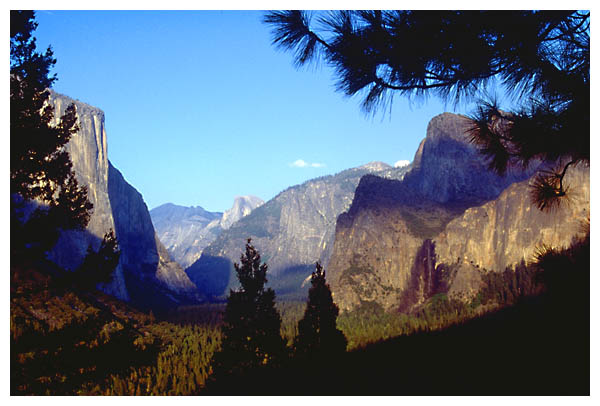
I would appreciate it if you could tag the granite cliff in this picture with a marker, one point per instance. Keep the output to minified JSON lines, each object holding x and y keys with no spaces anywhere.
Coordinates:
{"x":186,"y":231}
{"x":242,"y":206}
{"x":88,"y":151}
{"x":292,"y":231}
{"x":144,"y":265}
{"x":449,"y":212}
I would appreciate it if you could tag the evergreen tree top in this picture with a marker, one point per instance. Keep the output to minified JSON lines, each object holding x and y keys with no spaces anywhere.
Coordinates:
{"x":251,"y":273}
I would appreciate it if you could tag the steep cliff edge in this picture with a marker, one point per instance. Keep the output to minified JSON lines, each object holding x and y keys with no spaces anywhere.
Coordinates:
{"x":143,"y":257}
{"x":117,"y":206}
{"x":448,"y":210}
{"x":88,"y":151}
{"x":501,"y":233}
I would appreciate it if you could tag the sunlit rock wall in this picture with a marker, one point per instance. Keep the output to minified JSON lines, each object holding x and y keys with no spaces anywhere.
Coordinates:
{"x":475,"y":219}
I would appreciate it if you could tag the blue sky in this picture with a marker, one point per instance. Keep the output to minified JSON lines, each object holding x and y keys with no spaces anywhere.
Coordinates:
{"x":200,"y":107}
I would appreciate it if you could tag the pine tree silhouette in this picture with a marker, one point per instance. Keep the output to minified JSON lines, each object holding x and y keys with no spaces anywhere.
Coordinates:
{"x":318,"y":334}
{"x":251,"y":324}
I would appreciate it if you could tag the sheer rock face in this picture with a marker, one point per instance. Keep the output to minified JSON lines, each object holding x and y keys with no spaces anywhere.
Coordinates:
{"x":117,"y":206}
{"x":474,"y":219}
{"x":88,"y":151}
{"x":143,"y":256}
{"x":291,"y":231}
{"x":447,"y":168}
{"x":242,"y":206}
{"x":186,"y":231}
{"x":509,"y":229}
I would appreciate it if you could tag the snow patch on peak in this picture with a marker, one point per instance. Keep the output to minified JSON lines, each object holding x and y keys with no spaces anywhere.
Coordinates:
{"x":375,"y":166}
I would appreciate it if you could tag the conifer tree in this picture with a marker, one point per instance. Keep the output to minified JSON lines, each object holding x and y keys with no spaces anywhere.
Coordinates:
{"x":318,"y":334}
{"x":41,"y":173}
{"x":251,"y":324}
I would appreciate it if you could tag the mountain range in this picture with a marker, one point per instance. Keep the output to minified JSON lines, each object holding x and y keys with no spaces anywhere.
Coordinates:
{"x":383,"y":233}
{"x":186,"y":231}
{"x":373,"y":225}
{"x":292,"y":232}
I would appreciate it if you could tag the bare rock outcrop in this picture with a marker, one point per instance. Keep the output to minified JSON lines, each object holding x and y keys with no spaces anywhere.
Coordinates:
{"x":510,"y":229}
{"x":242,"y":206}
{"x":88,"y":151}
{"x":185,"y":231}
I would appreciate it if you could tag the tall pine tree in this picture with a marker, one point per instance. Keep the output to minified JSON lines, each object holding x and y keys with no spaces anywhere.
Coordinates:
{"x":252,"y":324}
{"x":318,"y":335}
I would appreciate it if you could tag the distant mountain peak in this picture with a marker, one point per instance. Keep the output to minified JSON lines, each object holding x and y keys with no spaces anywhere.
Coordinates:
{"x":186,"y":231}
{"x":242,"y":206}
{"x":248,"y":198}
{"x":375,"y":166}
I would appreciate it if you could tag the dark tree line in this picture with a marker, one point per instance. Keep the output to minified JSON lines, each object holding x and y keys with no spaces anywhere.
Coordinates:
{"x":541,"y":58}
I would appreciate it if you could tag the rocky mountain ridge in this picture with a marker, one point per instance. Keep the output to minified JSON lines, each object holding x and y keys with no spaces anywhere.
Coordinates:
{"x":291,"y":231}
{"x":449,"y":212}
{"x":186,"y":231}
{"x":145,"y":275}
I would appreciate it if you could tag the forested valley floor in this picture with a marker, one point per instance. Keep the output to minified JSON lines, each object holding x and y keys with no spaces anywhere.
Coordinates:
{"x":64,"y":342}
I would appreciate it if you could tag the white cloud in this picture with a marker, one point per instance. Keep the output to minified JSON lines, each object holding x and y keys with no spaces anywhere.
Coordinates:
{"x":298,"y":163}
{"x":401,"y":163}
{"x":301,"y":163}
